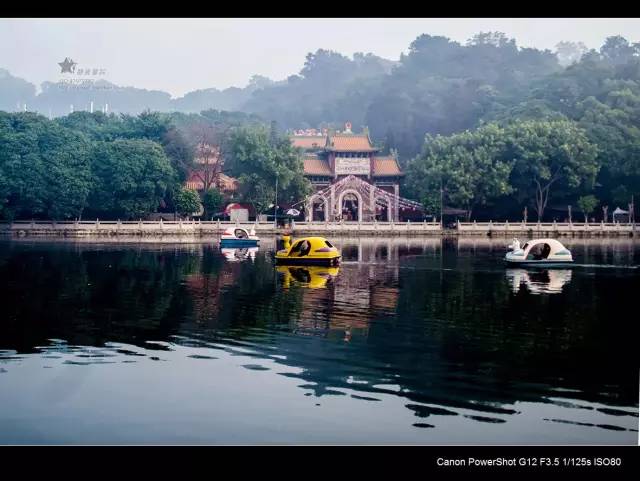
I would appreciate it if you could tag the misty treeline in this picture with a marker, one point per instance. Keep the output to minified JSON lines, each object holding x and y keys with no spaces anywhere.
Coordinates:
{"x":93,"y":165}
{"x":566,"y":121}
{"x":571,"y":138}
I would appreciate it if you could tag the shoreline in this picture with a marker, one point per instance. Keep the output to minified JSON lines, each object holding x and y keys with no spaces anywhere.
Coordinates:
{"x":199,"y":229}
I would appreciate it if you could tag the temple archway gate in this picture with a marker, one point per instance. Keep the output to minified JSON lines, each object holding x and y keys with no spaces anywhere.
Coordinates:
{"x":367,"y":196}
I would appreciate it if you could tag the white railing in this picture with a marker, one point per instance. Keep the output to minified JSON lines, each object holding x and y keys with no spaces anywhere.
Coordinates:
{"x":215,"y":226}
{"x":547,"y":226}
{"x":197,"y":226}
{"x":352,"y":226}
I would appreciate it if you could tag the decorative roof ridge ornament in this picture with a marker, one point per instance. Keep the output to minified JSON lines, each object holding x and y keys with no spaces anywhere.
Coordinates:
{"x":347,"y":128}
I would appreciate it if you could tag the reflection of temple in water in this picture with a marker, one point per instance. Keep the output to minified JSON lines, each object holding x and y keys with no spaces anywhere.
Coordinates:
{"x":366,"y":287}
{"x":339,"y":302}
{"x":206,"y":292}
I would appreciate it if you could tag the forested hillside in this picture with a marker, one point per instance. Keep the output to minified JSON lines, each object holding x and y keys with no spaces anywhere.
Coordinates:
{"x":441,"y":104}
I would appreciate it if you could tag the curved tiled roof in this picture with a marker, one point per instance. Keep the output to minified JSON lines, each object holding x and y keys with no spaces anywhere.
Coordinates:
{"x":309,"y":141}
{"x":316,"y":166}
{"x":350,"y":143}
{"x":385,"y":166}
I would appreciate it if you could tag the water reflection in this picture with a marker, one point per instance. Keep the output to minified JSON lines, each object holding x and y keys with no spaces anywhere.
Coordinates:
{"x":404,"y":330}
{"x":538,"y":281}
{"x":239,"y":254}
{"x":313,"y":277}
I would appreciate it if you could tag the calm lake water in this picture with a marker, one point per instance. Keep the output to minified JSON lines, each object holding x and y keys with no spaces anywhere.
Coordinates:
{"x":414,"y":340}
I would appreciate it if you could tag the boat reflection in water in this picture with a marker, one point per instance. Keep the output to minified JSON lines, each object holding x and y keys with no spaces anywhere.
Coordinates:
{"x":239,"y":254}
{"x":341,"y":302}
{"x":538,"y":281}
{"x":413,"y":341}
{"x":313,"y":277}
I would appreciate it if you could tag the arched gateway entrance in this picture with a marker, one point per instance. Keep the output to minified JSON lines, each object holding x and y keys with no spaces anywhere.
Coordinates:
{"x":383,"y":208}
{"x":350,"y":206}
{"x":319,"y":209}
{"x":353,"y":199}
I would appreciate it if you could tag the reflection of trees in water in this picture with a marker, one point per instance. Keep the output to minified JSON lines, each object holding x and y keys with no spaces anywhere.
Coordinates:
{"x":486,"y":330}
{"x":446,"y":337}
{"x":361,"y":292}
{"x":466,"y":324}
{"x":238,"y":296}
{"x":88,"y":296}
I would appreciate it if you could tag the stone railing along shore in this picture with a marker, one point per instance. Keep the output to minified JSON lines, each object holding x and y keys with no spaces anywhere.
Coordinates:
{"x":215,"y":228}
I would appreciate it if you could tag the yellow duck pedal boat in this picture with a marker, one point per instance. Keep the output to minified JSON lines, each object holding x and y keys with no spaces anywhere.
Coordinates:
{"x":313,"y":251}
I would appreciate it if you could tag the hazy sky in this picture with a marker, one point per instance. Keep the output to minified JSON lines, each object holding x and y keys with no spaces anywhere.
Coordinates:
{"x":179,"y":55}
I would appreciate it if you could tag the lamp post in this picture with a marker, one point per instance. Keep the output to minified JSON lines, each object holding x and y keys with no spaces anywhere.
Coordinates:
{"x":275,"y":207}
{"x":441,"y":198}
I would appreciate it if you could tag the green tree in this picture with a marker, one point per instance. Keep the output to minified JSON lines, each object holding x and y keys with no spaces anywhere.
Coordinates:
{"x":587,"y":204}
{"x":213,"y":202}
{"x":617,"y":50}
{"x":549,"y":155}
{"x":468,"y":167}
{"x":257,"y":159}
{"x":570,"y":52}
{"x":130,"y":178}
{"x":154,"y":126}
{"x":44,"y":168}
{"x":187,"y":201}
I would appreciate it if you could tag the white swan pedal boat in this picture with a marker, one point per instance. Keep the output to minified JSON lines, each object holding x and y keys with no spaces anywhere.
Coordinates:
{"x":546,"y":252}
{"x":239,"y":237}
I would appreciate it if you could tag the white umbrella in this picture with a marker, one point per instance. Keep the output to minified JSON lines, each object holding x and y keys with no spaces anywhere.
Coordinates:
{"x":293,"y":212}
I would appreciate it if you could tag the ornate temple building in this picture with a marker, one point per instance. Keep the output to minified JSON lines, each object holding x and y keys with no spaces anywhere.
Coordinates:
{"x":351,"y":180}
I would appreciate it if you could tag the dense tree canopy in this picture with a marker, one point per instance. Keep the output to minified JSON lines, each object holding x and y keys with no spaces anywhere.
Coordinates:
{"x":587,"y":203}
{"x":187,"y":202}
{"x":567,"y":120}
{"x":130,"y":178}
{"x":257,"y":159}
{"x":470,"y":168}
{"x":44,"y":168}
{"x":530,"y":160}
{"x":549,"y":155}
{"x":213,"y":202}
